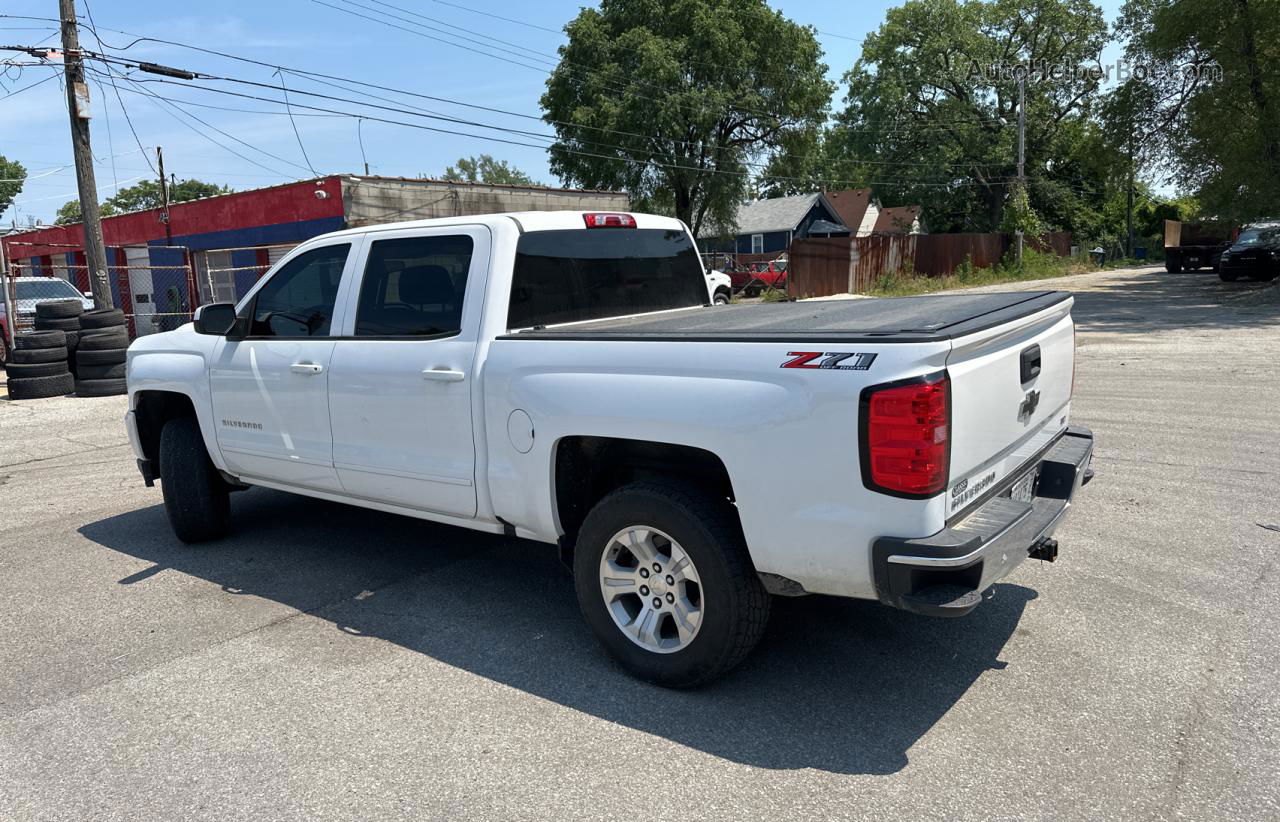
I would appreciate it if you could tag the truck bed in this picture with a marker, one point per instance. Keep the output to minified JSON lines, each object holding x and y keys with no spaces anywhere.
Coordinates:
{"x":926,"y":318}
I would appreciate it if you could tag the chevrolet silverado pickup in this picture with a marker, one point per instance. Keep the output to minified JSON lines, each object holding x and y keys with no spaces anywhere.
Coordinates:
{"x":564,"y":377}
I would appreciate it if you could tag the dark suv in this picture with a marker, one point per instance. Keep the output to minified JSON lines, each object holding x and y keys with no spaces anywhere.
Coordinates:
{"x":1255,"y":254}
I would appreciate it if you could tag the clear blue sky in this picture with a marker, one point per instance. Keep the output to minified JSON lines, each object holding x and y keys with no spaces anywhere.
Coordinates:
{"x":304,"y":34}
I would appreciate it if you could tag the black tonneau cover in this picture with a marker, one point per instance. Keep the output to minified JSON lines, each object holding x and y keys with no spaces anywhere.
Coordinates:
{"x":926,"y":318}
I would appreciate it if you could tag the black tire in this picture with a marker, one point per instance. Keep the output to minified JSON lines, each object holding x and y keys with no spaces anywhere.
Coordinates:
{"x":101,"y":372}
{"x":22,"y":371}
{"x":102,"y":318}
{"x":59,"y":309}
{"x":73,"y":340}
{"x":100,"y":388}
{"x":4,"y":347}
{"x":35,"y":388}
{"x":1263,"y":276}
{"x":108,"y":356}
{"x":34,"y":355}
{"x":1173,"y":266}
{"x":1227,"y":276}
{"x":40,"y":339}
{"x":722,"y":297}
{"x":196,"y":499}
{"x":99,"y":340}
{"x":734,"y":601}
{"x":57,"y":323}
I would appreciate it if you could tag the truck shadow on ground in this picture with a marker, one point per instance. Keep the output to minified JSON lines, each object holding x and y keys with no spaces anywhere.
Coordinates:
{"x":836,"y":685}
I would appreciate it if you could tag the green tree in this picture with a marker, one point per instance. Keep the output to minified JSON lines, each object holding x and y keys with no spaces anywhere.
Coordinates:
{"x":485,"y":169}
{"x":1206,"y":109}
{"x":672,"y":100}
{"x":12,"y":178}
{"x":931,"y":108}
{"x":142,"y":196}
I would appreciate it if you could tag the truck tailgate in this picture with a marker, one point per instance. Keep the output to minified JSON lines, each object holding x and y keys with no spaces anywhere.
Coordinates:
{"x":1010,"y":397}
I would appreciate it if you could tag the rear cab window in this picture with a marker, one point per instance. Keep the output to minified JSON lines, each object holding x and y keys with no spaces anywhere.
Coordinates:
{"x":573,"y":275}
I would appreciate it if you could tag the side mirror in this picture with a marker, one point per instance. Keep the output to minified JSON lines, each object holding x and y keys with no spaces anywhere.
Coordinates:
{"x":216,"y":318}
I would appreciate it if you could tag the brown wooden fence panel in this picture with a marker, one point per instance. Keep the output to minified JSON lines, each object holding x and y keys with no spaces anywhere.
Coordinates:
{"x":879,"y":254}
{"x":937,"y":255}
{"x":1056,"y":242}
{"x":819,"y":267}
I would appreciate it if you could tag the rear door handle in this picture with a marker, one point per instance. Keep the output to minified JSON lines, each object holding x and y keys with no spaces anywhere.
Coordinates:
{"x":443,"y":375}
{"x":306,"y":368}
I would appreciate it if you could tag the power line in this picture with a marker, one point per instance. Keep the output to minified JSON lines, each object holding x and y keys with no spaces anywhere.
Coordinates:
{"x":426,"y":113}
{"x":170,"y":105}
{"x":312,"y":75}
{"x":294,"y":123}
{"x":545,"y":147}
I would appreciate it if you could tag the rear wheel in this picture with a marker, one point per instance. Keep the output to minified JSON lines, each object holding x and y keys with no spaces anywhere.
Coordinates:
{"x":665,"y":582}
{"x":196,"y":498}
{"x":1227,"y":276}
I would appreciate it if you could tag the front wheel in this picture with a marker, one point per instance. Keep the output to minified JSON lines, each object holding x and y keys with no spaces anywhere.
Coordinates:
{"x":721,"y":297}
{"x":665,"y":582}
{"x":196,"y":498}
{"x":1227,"y":276}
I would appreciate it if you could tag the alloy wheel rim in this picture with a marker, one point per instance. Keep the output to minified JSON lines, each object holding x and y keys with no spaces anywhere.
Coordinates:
{"x":651,"y":589}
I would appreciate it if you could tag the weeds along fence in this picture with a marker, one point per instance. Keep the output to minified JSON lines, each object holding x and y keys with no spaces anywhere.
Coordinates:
{"x":821,"y":267}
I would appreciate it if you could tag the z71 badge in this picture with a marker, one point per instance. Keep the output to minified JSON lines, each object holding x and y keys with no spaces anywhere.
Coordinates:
{"x":833,"y":360}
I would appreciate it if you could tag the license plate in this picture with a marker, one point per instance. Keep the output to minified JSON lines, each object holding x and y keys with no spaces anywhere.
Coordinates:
{"x":1024,"y":488}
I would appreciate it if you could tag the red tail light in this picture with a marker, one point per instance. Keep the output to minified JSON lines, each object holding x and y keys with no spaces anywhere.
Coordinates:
{"x":906,"y":432}
{"x":609,"y":220}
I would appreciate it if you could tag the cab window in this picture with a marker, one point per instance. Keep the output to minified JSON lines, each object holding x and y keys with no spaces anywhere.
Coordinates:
{"x":413,"y":287}
{"x":298,"y":300}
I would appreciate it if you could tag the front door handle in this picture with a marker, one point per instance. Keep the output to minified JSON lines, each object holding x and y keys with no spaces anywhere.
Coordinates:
{"x":306,"y":368}
{"x":443,"y":375}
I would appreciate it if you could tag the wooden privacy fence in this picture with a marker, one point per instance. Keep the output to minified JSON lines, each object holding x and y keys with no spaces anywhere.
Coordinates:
{"x":821,"y":266}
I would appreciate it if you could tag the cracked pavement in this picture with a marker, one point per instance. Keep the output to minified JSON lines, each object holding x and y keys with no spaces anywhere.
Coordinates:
{"x":330,"y":662}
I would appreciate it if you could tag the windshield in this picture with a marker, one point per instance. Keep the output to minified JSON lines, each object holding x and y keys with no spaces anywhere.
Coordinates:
{"x":588,"y":274}
{"x":50,"y":289}
{"x":1254,"y":236}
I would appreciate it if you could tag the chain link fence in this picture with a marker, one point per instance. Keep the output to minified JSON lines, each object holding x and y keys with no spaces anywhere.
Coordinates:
{"x":157,"y":287}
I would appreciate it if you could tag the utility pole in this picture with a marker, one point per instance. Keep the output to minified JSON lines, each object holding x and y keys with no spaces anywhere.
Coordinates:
{"x":1022,"y":147}
{"x":1128,"y":251}
{"x":164,"y":197}
{"x":95,"y":251}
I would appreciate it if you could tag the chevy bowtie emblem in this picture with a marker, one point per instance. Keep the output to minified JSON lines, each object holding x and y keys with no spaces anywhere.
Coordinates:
{"x":1029,"y":405}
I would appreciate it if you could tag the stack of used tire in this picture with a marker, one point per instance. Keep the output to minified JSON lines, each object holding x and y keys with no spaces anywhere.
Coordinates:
{"x":100,"y":355}
{"x":61,"y":315}
{"x":37,"y":365}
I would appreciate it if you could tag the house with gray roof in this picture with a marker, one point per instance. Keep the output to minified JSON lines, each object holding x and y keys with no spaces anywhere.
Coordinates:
{"x":769,"y":226}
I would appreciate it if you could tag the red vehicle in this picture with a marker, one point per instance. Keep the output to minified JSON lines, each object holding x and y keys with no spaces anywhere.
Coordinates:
{"x":760,"y":276}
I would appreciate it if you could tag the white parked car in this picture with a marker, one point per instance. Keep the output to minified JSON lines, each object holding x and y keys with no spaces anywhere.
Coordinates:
{"x":561,"y":377}
{"x":720,"y":286}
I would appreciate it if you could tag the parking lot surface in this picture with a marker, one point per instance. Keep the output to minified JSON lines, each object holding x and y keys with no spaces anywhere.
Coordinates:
{"x":330,"y":662}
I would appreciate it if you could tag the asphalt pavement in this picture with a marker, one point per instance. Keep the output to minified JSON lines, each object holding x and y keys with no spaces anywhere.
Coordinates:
{"x":327,"y":662}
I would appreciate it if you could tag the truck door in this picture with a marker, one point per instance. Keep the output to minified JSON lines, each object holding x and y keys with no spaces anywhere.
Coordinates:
{"x":270,"y":389}
{"x":400,"y":385}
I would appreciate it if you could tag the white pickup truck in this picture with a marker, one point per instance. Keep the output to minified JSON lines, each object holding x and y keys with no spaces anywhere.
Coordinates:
{"x":564,"y":377}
